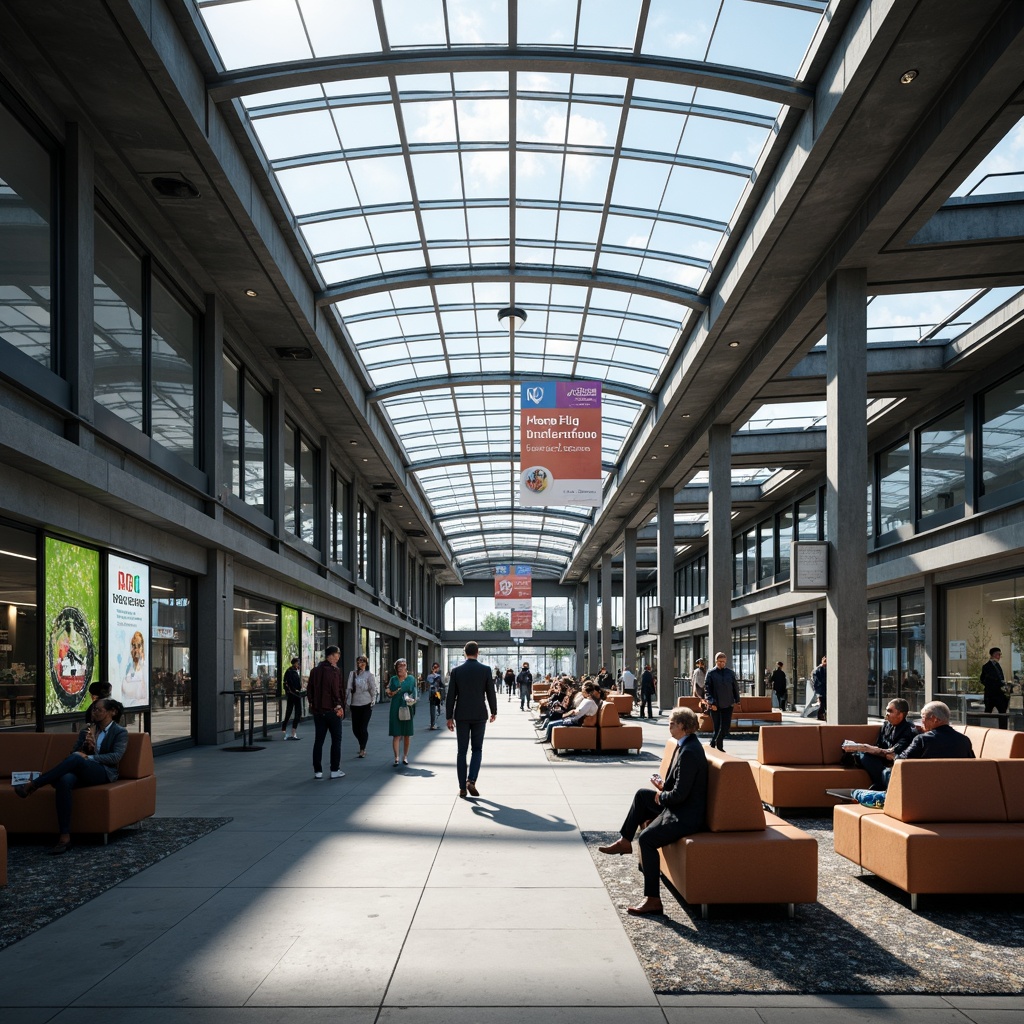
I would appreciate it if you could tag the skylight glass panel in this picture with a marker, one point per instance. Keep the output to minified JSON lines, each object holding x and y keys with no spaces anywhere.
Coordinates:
{"x":478,"y":22}
{"x":279,"y":97}
{"x":240,"y":33}
{"x":363,"y":332}
{"x":336,"y":235}
{"x":365,"y":126}
{"x":546,"y":22}
{"x":723,"y":140}
{"x":635,"y":178}
{"x":483,"y":120}
{"x":1002,"y":170}
{"x":437,"y":175}
{"x":481,"y":81}
{"x":488,"y":222}
{"x":708,"y":193}
{"x":680,"y":30}
{"x":586,"y":177}
{"x":579,"y":227}
{"x":318,"y":187}
{"x":336,"y":28}
{"x":486,"y":175}
{"x":339,"y":271}
{"x":297,"y":134}
{"x":593,"y":125}
{"x":414,"y":23}
{"x":598,"y":85}
{"x":608,"y":24}
{"x":763,"y":37}
{"x":377,"y":88}
{"x":380,"y":180}
{"x":439,"y":224}
{"x":430,"y":121}
{"x":653,"y":130}
{"x":392,"y":227}
{"x":538,"y":121}
{"x":736,"y":101}
{"x":683,"y":239}
{"x":458,"y":321}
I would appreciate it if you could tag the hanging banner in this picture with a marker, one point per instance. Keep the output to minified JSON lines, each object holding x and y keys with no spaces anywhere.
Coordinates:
{"x":513,"y":586}
{"x":127,"y":628}
{"x":560,"y":443}
{"x":521,"y":622}
{"x":72,"y":624}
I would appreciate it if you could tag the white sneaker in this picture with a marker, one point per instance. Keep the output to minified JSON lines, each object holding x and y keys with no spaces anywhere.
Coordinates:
{"x":318,"y":775}
{"x":337,"y":775}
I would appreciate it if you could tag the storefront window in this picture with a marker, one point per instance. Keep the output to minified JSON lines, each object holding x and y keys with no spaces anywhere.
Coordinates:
{"x":784,"y":521}
{"x":791,"y":641}
{"x":943,"y":460}
{"x":173,"y":374}
{"x":19,"y":631}
{"x":744,"y":656}
{"x":896,"y":644}
{"x":766,"y":551}
{"x":26,"y":240}
{"x":255,"y":644}
{"x":171,"y":656}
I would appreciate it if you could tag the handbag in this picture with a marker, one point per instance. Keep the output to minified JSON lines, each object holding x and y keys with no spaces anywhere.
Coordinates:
{"x":404,"y":714}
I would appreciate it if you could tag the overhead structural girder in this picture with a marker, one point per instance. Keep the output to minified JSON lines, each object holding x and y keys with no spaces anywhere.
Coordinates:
{"x":639,"y":395}
{"x":520,"y":59}
{"x":539,"y":510}
{"x":503,"y":272}
{"x":477,"y":457}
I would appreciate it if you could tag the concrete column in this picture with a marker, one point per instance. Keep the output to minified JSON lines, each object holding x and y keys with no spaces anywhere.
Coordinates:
{"x":931,"y":638}
{"x":846,"y":630}
{"x":214,"y":637}
{"x":719,"y":541}
{"x":580,"y":640}
{"x":666,"y":595}
{"x":592,"y":651}
{"x":629,"y":602}
{"x":606,"y":609}
{"x":77,"y":320}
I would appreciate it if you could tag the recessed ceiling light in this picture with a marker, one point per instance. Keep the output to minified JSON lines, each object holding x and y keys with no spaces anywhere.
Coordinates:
{"x":353,"y":442}
{"x":317,"y":391}
{"x":366,"y":460}
{"x":734,"y":344}
{"x":686,"y":415}
{"x":654,"y":458}
{"x":251,"y":292}
{"x":666,"y":446}
{"x":908,"y":76}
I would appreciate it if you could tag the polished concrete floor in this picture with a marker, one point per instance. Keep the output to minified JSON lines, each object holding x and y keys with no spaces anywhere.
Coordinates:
{"x":382,"y":897}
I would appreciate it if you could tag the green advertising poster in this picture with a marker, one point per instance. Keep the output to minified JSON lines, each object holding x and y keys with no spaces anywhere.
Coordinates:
{"x":72,"y":624}
{"x":289,"y":638}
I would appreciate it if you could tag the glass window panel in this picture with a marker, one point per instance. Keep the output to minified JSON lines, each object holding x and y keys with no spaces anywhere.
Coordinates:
{"x":174,"y":352}
{"x":1002,"y":435}
{"x":298,"y":134}
{"x":723,"y":140}
{"x":337,"y":235}
{"x":547,"y":22}
{"x":365,"y":126}
{"x":483,"y":120}
{"x":26,"y":242}
{"x":414,"y":22}
{"x":743,"y":28}
{"x":231,"y":415}
{"x":653,"y":130}
{"x":718,"y":193}
{"x":340,"y":28}
{"x":257,"y":410}
{"x":766,"y":550}
{"x":290,"y":480}
{"x":318,"y":187}
{"x":392,"y":227}
{"x":678,"y":30}
{"x":381,"y":180}
{"x":784,"y":523}
{"x":239,"y":33}
{"x":943,"y":462}
{"x":894,"y":487}
{"x":609,"y":24}
{"x":117,"y":327}
{"x":807,"y":518}
{"x":432,"y":122}
{"x":437,"y":176}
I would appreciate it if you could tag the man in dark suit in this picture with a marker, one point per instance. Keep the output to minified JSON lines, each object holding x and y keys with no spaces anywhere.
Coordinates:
{"x":92,"y":762}
{"x":940,"y":738}
{"x":470,"y":691}
{"x":678,"y":807}
{"x":992,"y":680}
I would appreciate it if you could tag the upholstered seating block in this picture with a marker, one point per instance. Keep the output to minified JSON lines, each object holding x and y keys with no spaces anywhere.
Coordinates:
{"x":3,"y":855}
{"x":939,"y":790}
{"x":998,"y":743}
{"x":805,"y":785}
{"x":622,"y":702}
{"x":97,"y":809}
{"x":846,"y":823}
{"x":576,"y":737}
{"x":1011,"y":780}
{"x":831,"y":739}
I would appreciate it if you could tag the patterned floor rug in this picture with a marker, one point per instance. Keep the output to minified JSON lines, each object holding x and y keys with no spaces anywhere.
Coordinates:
{"x":41,"y":888}
{"x":860,"y":937}
{"x":596,"y":757}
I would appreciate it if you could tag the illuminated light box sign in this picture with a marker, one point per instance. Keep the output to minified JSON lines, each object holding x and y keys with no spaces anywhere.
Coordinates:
{"x":521,"y":622}
{"x":513,"y":586}
{"x":560,"y":443}
{"x":128,"y":625}
{"x":72,"y":624}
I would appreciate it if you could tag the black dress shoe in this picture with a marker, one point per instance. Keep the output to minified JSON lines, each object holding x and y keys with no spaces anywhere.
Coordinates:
{"x":471,"y":786}
{"x":61,"y":848}
{"x":462,"y":794}
{"x":649,"y":906}
{"x":26,"y":789}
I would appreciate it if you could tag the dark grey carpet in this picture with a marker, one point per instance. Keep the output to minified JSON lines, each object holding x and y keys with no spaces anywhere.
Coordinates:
{"x":41,"y":888}
{"x":860,"y":937}
{"x":593,"y":757}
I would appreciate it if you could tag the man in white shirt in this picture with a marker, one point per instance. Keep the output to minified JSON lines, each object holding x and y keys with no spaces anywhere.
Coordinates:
{"x":628,"y":682}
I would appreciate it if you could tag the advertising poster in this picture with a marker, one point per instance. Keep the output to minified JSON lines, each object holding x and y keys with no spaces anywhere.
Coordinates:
{"x":560,"y":443}
{"x":127,"y":628}
{"x":308,"y":645}
{"x":513,"y":586}
{"x":289,"y":638}
{"x":72,"y":624}
{"x":521,"y":622}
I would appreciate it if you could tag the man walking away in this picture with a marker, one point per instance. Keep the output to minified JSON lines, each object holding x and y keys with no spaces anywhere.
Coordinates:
{"x":470,"y":691}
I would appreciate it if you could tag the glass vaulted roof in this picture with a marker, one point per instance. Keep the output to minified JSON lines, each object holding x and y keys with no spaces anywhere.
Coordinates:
{"x":442,"y":159}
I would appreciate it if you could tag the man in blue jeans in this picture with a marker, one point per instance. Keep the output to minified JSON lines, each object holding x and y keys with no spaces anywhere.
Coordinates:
{"x":722,"y":692}
{"x":325,"y":691}
{"x":470,"y":691}
{"x":92,"y":762}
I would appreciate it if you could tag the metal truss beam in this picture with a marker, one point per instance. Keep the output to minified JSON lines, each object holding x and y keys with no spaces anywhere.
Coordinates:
{"x":477,"y":457}
{"x":506,"y":510}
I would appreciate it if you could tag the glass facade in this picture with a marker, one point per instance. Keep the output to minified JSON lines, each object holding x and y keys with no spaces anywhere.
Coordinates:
{"x":942,"y":463}
{"x":170,"y":655}
{"x":1002,"y":435}
{"x":19,"y":627}
{"x":894,"y":487}
{"x":791,"y":641}
{"x":256,"y":644}
{"x":27,"y":241}
{"x":896,"y":648}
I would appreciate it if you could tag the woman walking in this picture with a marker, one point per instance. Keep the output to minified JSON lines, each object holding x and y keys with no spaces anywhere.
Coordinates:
{"x":360,"y":696}
{"x":400,"y":725}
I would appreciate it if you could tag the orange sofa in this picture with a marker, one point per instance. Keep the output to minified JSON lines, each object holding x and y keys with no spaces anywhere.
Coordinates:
{"x":752,"y":713}
{"x":601,"y":732}
{"x":948,"y":826}
{"x":748,"y":855}
{"x":98,"y":809}
{"x":797,"y":763}
{"x":623,"y":703}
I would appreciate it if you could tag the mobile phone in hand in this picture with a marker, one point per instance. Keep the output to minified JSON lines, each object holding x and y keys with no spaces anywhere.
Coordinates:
{"x":657,"y":779}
